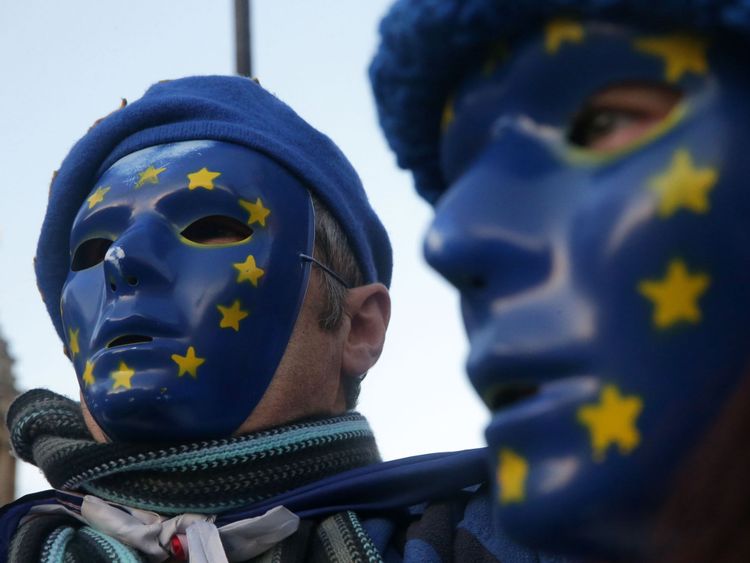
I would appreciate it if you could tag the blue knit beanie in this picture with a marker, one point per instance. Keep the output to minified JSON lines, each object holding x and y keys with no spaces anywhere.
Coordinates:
{"x":220,"y":108}
{"x":428,"y":45}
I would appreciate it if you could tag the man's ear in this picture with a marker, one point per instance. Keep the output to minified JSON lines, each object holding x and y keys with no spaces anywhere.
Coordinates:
{"x":368,"y":308}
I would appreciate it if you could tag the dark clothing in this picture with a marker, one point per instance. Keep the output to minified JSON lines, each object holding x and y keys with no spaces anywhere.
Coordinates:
{"x":389,"y":501}
{"x":118,"y":502}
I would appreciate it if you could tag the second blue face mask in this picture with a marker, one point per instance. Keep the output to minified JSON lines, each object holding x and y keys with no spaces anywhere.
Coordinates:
{"x":186,"y":281}
{"x":605,"y":293}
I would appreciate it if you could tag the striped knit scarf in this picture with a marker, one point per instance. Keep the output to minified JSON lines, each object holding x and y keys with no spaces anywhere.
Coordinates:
{"x":207,"y":477}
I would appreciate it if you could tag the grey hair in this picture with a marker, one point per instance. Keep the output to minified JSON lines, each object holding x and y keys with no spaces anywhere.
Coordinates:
{"x":332,"y":248}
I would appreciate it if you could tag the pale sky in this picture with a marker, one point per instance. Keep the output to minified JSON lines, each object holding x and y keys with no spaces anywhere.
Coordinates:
{"x":65,"y":64}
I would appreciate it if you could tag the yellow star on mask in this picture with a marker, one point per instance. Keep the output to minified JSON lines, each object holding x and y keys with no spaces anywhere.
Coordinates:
{"x":683,"y":185}
{"x":73,"y":342}
{"x":150,"y":175}
{"x":231,"y":316}
{"x":122,"y":376}
{"x":204,"y":178}
{"x":675,"y":298}
{"x":88,"y":374}
{"x":188,"y":363}
{"x":258,"y":213}
{"x":681,"y":54}
{"x":512,"y":471}
{"x":448,"y":115}
{"x":249,"y":271}
{"x":97,"y":196}
{"x":612,"y":421}
{"x":560,"y":30}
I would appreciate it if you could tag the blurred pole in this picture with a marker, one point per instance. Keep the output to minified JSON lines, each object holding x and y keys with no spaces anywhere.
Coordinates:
{"x":7,"y":394}
{"x":242,"y":37}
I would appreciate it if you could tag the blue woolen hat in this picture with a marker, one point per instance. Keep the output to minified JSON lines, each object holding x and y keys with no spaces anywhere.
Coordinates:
{"x":428,"y":45}
{"x":221,"y":108}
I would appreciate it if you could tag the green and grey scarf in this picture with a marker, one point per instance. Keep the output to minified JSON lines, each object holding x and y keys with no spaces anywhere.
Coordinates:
{"x":205,"y":477}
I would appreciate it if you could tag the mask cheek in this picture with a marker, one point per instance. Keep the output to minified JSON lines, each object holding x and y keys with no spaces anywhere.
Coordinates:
{"x":80,"y":306}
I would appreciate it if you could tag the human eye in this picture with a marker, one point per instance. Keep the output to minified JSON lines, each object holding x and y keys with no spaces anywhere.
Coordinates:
{"x":621,"y":115}
{"x":217,"y":229}
{"x":89,"y":253}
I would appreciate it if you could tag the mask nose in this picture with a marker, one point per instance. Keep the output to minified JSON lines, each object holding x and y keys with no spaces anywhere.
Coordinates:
{"x":486,"y":260}
{"x":494,"y":230}
{"x":137,"y":259}
{"x":119,"y":274}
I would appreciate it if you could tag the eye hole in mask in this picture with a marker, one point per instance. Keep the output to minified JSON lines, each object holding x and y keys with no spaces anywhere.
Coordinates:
{"x":89,"y":253}
{"x":621,"y":115}
{"x":217,"y":229}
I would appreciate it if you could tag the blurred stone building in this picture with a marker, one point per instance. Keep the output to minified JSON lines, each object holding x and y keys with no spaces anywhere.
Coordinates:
{"x":7,"y":394}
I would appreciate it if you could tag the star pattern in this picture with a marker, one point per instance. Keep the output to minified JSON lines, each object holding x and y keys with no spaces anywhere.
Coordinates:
{"x":682,"y":185}
{"x":188,"y":363}
{"x":612,"y":422}
{"x":512,"y":471}
{"x":258,"y":213}
{"x":231,"y":316}
{"x":675,"y":298}
{"x":97,"y":196}
{"x":203,"y":178}
{"x":88,"y":374}
{"x":122,"y":376}
{"x":448,"y":115}
{"x":150,"y":175}
{"x":681,"y":54}
{"x":75,"y":349}
{"x":249,"y":271}
{"x":558,"y":31}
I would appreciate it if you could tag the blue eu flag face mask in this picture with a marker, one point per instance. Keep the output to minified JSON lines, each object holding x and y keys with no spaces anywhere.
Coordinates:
{"x":600,"y":247}
{"x":185,"y":284}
